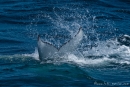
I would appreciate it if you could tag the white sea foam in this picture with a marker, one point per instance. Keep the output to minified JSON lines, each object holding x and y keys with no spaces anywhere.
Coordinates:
{"x":34,"y":55}
{"x":86,"y":61}
{"x":106,"y":50}
{"x":110,"y":51}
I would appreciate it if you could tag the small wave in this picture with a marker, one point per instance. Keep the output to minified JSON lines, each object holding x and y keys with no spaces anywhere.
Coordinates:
{"x":10,"y":41}
{"x":19,"y":58}
{"x":123,"y":11}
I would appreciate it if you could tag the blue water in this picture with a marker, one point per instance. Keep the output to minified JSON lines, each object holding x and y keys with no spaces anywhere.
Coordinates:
{"x":99,"y":60}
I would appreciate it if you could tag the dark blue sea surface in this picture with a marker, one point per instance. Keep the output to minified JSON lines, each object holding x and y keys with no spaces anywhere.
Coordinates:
{"x":99,"y":60}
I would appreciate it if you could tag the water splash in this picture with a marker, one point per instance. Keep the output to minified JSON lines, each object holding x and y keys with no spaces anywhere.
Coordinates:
{"x":98,"y":45}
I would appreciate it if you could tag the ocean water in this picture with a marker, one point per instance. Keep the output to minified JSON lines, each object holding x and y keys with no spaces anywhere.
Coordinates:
{"x":98,"y":61}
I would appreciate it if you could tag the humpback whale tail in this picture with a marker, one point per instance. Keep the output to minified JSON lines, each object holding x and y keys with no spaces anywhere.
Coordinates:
{"x":47,"y":50}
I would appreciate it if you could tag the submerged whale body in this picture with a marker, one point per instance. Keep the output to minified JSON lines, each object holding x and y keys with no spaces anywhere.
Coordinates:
{"x":47,"y":50}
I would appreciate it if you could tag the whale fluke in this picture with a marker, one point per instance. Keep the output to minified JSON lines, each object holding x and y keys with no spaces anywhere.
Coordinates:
{"x":47,"y":50}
